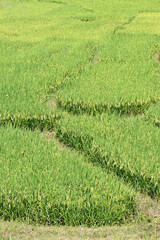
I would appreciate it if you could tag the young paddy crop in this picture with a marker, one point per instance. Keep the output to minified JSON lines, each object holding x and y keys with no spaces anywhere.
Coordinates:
{"x":124,"y":79}
{"x":128,"y":146}
{"x":43,"y":184}
{"x":89,"y":72}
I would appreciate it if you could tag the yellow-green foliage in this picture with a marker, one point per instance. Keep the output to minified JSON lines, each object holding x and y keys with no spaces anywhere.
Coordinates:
{"x":41,"y":183}
{"x":153,"y":115}
{"x":86,"y":57}
{"x":145,"y":23}
{"x":41,"y":122}
{"x":128,"y":146}
{"x":124,"y":79}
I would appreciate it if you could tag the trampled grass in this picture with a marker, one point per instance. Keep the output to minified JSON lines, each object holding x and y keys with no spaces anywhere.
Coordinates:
{"x":85,"y":58}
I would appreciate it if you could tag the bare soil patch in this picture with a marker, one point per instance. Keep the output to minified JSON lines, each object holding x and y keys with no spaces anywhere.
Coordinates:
{"x":52,"y":103}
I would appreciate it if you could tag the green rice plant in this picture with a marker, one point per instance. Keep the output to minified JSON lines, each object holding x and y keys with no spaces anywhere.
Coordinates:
{"x":47,"y":48}
{"x":153,"y":115}
{"x":88,"y":58}
{"x":42,"y":184}
{"x":145,"y":23}
{"x":28,"y":80}
{"x":43,"y":122}
{"x":128,"y":146}
{"x":125,"y":79}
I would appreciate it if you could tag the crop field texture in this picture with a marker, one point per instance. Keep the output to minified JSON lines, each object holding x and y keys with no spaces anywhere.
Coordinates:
{"x":79,"y":110}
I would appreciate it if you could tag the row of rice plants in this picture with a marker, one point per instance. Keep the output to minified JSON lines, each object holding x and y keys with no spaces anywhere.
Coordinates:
{"x":128,"y":146}
{"x":134,"y":107}
{"x":41,"y":122}
{"x":41,"y":183}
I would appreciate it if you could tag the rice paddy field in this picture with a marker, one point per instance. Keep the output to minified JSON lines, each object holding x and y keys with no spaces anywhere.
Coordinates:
{"x":79,"y":110}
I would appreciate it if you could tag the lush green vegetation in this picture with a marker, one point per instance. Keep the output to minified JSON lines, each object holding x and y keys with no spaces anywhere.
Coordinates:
{"x":123,"y":80}
{"x":41,"y":183}
{"x":129,"y":146}
{"x":89,"y":72}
